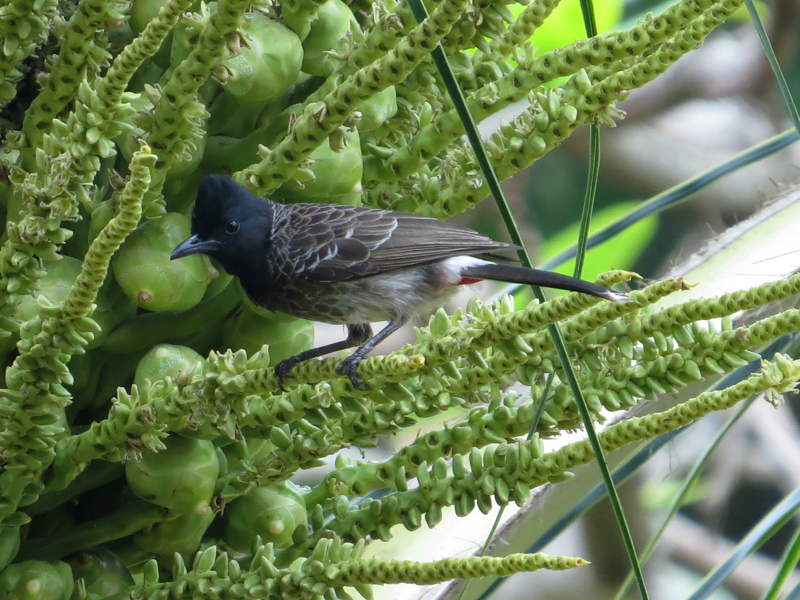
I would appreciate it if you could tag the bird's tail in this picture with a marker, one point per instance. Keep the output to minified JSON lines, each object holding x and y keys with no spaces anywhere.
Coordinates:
{"x":526,"y":276}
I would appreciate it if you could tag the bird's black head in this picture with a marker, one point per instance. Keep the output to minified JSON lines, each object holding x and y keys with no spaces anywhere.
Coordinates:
{"x":229,"y":224}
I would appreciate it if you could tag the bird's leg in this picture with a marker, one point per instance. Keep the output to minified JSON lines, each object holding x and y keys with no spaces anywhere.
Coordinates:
{"x":350,"y":364}
{"x":356,"y":334}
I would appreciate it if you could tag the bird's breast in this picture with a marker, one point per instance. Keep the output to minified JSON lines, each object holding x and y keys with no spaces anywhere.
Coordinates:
{"x":382,"y":297}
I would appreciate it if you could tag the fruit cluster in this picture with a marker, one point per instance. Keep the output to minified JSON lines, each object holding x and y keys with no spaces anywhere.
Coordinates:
{"x":142,"y":427}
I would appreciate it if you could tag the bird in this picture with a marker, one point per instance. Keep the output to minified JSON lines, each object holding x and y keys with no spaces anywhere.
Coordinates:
{"x":348,"y":265}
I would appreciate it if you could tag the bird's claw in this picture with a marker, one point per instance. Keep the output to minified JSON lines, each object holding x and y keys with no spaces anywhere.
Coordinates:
{"x":348,"y":367}
{"x":282,"y":370}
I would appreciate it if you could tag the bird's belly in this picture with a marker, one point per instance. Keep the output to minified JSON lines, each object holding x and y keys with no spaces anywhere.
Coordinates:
{"x":383,"y":297}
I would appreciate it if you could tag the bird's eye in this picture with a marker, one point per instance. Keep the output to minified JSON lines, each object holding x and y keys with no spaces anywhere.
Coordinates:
{"x":232,"y":226}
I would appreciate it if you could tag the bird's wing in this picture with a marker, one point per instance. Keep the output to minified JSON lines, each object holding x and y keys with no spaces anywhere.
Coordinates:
{"x":331,"y":242}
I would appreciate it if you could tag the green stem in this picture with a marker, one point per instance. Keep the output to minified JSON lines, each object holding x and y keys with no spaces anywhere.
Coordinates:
{"x":493,"y":183}
{"x":769,"y":51}
{"x":591,"y":193}
{"x":96,"y":474}
{"x":131,"y":517}
{"x":144,"y":331}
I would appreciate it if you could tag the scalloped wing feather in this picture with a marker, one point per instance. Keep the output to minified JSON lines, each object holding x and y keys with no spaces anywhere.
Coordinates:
{"x":336,"y":243}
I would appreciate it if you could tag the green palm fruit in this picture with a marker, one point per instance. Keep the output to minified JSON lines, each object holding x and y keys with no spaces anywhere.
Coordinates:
{"x":229,"y":154}
{"x":54,"y":286}
{"x":181,"y":535}
{"x":231,"y":118}
{"x":9,"y":545}
{"x":337,"y":174}
{"x":168,"y":360}
{"x":36,"y":580}
{"x":268,"y":64}
{"x":378,"y":109}
{"x":140,"y":14}
{"x":149,"y":278}
{"x":334,"y":21}
{"x":165,"y":360}
{"x":180,"y":478}
{"x":249,"y":331}
{"x":102,"y":571}
{"x":58,"y":279}
{"x":273,"y":512}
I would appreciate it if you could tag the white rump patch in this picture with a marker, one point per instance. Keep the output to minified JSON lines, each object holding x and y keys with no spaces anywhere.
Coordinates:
{"x":453,"y":267}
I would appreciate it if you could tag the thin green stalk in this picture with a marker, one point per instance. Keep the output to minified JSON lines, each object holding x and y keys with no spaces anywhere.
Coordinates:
{"x":590,"y":25}
{"x":613,"y":496}
{"x":789,"y":561}
{"x":129,"y":518}
{"x":773,"y":63}
{"x":688,"y":484}
{"x":439,"y":57}
{"x":588,"y":200}
{"x":534,"y":425}
{"x":763,"y":530}
{"x":589,"y":22}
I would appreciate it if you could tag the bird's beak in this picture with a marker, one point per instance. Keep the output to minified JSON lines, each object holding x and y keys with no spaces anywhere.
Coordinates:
{"x":194,"y":245}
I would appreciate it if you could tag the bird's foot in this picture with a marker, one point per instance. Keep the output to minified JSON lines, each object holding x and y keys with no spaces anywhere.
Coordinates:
{"x":283,"y":369}
{"x":348,"y":367}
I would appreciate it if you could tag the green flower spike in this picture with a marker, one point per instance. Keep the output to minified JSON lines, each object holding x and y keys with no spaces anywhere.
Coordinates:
{"x":35,"y":398}
{"x":530,"y":74}
{"x":66,"y":166}
{"x":80,"y":56}
{"x":182,"y":534}
{"x":521,"y":30}
{"x":24,"y":26}
{"x":332,"y":567}
{"x":400,"y":571}
{"x":507,"y":471}
{"x":272,"y":512}
{"x":552,"y":117}
{"x":321,"y":119}
{"x":178,"y":121}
